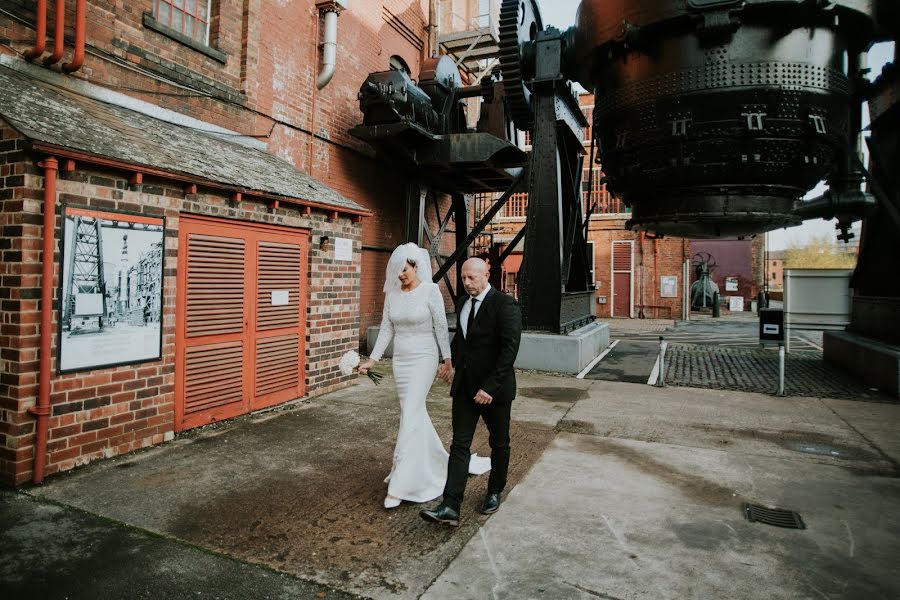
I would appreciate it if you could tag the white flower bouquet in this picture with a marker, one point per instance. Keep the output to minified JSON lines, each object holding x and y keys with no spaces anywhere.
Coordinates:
{"x":350,"y":362}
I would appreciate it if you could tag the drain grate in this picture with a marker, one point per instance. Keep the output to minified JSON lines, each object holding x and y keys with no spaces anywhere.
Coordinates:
{"x":773,"y":516}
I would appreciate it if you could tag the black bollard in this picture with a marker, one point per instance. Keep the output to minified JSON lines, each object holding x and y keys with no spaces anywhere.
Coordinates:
{"x":716,"y":310}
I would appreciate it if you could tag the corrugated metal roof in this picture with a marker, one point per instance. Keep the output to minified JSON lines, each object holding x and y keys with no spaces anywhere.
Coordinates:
{"x":58,"y":117}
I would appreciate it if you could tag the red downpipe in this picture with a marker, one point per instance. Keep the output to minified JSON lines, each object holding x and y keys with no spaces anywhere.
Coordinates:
{"x":78,"y":53}
{"x":656,"y":272}
{"x":42,"y":409}
{"x":40,"y":41}
{"x":59,"y":34}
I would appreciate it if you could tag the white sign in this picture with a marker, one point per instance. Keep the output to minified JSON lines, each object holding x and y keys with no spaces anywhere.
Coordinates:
{"x":668,"y":286}
{"x":736,"y":303}
{"x":88,"y":305}
{"x":770,"y":329}
{"x":731,"y":284}
{"x":343,"y":249}
{"x":280,"y":297}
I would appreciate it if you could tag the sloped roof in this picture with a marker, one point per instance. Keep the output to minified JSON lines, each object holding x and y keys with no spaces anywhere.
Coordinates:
{"x":54,"y":116}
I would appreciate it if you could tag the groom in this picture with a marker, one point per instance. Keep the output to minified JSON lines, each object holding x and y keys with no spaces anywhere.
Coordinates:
{"x":484,"y":349}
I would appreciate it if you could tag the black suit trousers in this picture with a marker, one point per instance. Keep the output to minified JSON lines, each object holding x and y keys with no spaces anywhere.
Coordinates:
{"x":465,"y":418}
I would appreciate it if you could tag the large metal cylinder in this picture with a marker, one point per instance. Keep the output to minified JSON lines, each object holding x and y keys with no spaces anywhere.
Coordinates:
{"x":714,"y":117}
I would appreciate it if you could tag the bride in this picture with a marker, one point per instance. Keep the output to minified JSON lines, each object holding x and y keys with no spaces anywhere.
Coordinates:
{"x":414,"y":317}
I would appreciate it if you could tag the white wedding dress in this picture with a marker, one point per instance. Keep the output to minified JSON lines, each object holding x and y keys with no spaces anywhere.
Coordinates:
{"x":417,"y":323}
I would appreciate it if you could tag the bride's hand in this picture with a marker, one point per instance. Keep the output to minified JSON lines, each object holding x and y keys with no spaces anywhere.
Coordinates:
{"x":445,"y":370}
{"x":365,"y":366}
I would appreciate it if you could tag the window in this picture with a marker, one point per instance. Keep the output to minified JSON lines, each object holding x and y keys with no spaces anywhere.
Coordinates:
{"x":517,"y":205}
{"x":396,"y":63}
{"x":591,"y":262}
{"x":190,"y":17}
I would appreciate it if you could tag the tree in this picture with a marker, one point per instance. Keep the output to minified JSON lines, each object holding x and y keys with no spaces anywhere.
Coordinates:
{"x":820,"y":252}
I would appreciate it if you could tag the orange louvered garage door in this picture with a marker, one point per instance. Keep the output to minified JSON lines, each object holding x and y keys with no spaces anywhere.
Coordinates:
{"x":240,"y":319}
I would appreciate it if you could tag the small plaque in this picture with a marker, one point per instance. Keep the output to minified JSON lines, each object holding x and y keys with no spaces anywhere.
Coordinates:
{"x":343,"y":249}
{"x":771,"y":329}
{"x":280,"y":297}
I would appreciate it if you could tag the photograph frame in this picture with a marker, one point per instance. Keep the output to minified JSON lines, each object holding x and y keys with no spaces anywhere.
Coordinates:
{"x":668,"y":286}
{"x":94,"y":316}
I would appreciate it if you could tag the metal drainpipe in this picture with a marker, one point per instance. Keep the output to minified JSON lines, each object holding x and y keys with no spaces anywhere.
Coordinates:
{"x":42,"y":409}
{"x":59,"y":34}
{"x":78,"y":53}
{"x":40,"y":41}
{"x":329,"y":46}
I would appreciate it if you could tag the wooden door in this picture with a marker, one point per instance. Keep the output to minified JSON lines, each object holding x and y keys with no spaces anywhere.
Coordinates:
{"x":622,"y":277}
{"x":240,"y":319}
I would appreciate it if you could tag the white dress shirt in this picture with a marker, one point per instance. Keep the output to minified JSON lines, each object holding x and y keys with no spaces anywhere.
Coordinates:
{"x":464,"y":313}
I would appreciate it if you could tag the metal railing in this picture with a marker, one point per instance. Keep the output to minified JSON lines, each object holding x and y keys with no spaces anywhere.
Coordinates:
{"x":453,"y":16}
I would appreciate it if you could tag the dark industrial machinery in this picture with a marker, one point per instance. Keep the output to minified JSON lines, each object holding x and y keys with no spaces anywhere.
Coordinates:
{"x":434,"y":105}
{"x":711,"y":118}
{"x":703,"y":290}
{"x":422,"y":128}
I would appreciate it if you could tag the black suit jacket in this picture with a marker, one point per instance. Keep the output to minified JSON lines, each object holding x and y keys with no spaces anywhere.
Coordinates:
{"x":484,"y":359}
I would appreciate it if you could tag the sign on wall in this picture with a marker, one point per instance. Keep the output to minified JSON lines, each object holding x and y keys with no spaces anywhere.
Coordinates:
{"x":111,"y":289}
{"x":731,"y":284}
{"x":343,"y":249}
{"x":668,"y":286}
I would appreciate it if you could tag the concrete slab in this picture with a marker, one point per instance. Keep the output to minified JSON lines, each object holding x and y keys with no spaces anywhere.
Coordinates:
{"x":297,"y":490}
{"x":636,"y":494}
{"x":620,"y":519}
{"x":749,"y":423}
{"x":56,"y":552}
{"x":568,"y":353}
{"x":877,"y":423}
{"x":629,"y":361}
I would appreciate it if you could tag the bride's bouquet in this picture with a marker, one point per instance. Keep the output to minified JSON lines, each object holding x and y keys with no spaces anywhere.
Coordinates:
{"x":349,"y":363}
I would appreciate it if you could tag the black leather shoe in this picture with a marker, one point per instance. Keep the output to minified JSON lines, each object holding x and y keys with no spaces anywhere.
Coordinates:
{"x":442,"y":514}
{"x":491,"y":503}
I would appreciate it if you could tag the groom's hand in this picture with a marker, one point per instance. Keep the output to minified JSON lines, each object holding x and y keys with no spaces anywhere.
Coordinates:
{"x":482,"y":397}
{"x":444,"y":371}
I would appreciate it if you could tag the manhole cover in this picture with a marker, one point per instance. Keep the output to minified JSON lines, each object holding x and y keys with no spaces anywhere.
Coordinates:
{"x":773,"y":516}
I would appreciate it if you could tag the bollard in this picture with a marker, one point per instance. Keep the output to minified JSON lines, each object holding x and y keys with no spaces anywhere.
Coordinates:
{"x":716,"y":313}
{"x":661,"y":379}
{"x":780,"y":391}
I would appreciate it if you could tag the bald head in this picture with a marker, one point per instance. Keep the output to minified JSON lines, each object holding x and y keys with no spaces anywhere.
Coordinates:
{"x":474,"y":276}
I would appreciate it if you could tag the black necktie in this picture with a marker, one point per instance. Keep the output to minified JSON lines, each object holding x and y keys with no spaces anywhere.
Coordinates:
{"x":471,"y":320}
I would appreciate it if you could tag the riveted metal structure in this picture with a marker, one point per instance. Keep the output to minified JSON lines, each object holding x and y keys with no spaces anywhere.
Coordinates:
{"x":713,"y":118}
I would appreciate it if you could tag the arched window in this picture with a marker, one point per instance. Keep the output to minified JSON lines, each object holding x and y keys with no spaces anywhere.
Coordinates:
{"x":398,"y":64}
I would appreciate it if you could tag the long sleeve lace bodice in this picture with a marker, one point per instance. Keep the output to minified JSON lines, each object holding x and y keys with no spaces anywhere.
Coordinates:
{"x":417,"y":312}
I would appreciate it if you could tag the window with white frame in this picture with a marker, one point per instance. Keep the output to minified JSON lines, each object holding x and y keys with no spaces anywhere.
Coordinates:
{"x":190,"y":17}
{"x":591,"y":261}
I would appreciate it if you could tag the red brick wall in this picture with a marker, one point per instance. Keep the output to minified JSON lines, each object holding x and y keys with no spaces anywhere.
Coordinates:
{"x":652,"y":260}
{"x":20,"y":270}
{"x":105,"y":412}
{"x":267,"y":88}
{"x":669,"y":253}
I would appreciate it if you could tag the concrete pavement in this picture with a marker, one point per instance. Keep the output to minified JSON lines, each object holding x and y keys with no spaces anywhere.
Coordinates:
{"x":617,"y":491}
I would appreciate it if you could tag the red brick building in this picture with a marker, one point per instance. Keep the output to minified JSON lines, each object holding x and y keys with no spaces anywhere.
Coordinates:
{"x":739,"y":268}
{"x":188,"y":231}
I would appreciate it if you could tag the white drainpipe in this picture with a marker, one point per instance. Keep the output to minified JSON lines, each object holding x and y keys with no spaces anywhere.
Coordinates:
{"x":331,"y":8}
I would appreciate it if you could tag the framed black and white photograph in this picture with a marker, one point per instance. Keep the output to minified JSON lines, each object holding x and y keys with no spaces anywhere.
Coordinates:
{"x":111,"y":289}
{"x":668,"y":286}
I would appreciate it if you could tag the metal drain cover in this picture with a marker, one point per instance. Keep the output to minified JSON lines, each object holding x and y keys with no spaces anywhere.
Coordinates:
{"x":773,"y":516}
